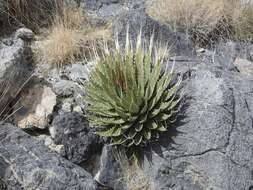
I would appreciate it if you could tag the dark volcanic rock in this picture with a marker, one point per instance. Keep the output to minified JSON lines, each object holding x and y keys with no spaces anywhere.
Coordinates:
{"x":27,"y":164}
{"x":73,"y":131}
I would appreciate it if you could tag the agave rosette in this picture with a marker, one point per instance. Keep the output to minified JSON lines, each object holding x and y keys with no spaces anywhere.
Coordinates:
{"x":130,"y":96}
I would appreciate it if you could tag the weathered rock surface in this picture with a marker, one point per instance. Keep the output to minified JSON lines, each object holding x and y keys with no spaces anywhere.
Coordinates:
{"x":244,"y":66}
{"x":37,"y":104}
{"x":73,"y":131}
{"x":14,"y":69}
{"x":27,"y":164}
{"x":110,"y":173}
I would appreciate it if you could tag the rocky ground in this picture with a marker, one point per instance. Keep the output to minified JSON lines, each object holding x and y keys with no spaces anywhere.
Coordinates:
{"x":54,"y":146}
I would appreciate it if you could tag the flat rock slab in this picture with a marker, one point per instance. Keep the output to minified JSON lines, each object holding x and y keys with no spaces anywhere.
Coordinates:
{"x":27,"y":164}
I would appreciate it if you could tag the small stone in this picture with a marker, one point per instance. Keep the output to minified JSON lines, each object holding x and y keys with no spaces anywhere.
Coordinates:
{"x":201,"y":50}
{"x":25,"y":34}
{"x":48,"y":141}
{"x":78,"y":109}
{"x":245,"y":66}
{"x":78,"y":72}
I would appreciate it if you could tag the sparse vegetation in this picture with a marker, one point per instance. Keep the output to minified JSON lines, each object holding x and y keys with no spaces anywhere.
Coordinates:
{"x":133,"y":175}
{"x":129,"y":95}
{"x":241,"y":18}
{"x":6,"y":102}
{"x":68,"y":36}
{"x":205,"y":19}
{"x":136,"y":179}
{"x":33,"y":14}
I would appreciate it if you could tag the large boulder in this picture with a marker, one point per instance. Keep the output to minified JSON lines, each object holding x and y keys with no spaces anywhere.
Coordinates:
{"x":15,"y":67}
{"x":27,"y":164}
{"x":212,"y":147}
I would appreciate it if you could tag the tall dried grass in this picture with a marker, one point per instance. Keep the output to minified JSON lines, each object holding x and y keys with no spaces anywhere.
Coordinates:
{"x":205,"y":19}
{"x":69,"y":36}
{"x":32,"y":13}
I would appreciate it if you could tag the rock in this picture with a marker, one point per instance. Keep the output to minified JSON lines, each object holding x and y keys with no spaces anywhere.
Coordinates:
{"x":110,"y":172}
{"x":138,"y":19}
{"x":27,"y":164}
{"x":78,"y":72}
{"x":70,"y":94}
{"x":213,"y":147}
{"x":111,"y":10}
{"x":95,"y":5}
{"x":244,"y":66}
{"x":25,"y":34}
{"x":48,"y":142}
{"x":211,"y":144}
{"x":15,"y":70}
{"x":200,"y":50}
{"x":37,"y":104}
{"x":65,"y":88}
{"x":72,"y":130}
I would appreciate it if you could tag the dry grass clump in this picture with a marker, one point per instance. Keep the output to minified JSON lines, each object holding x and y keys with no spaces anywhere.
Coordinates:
{"x":69,"y":36}
{"x":136,"y":179}
{"x":134,"y":176}
{"x":205,"y":19}
{"x":197,"y":17}
{"x":241,"y":17}
{"x":32,"y":13}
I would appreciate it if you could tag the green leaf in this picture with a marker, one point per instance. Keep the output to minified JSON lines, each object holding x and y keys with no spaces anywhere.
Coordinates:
{"x":152,"y":125}
{"x":112,"y":132}
{"x":138,"y":127}
{"x":137,"y":139}
{"x":147,"y":134}
{"x":161,"y":128}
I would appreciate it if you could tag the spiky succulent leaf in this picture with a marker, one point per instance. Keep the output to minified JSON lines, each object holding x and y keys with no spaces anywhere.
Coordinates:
{"x":130,"y":96}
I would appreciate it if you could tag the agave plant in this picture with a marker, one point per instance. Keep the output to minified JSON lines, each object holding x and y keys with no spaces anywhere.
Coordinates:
{"x":129,"y":94}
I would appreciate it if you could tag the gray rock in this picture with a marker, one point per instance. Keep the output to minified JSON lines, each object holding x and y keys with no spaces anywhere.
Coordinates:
{"x":78,"y":72}
{"x":72,"y":130}
{"x":25,"y":34}
{"x":110,"y":172}
{"x":70,"y":94}
{"x":14,"y":68}
{"x":27,"y":164}
{"x":48,"y":142}
{"x":103,"y":5}
{"x":95,"y":5}
{"x":37,"y":104}
{"x":65,"y":88}
{"x":138,"y":19}
{"x":244,"y":66}
{"x":111,"y":10}
{"x":212,"y":147}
